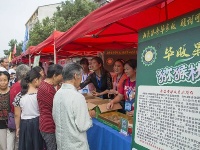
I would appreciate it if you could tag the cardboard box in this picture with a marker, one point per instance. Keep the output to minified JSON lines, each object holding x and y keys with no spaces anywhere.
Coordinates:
{"x":97,"y":101}
{"x":92,"y":103}
{"x":89,"y":96}
{"x":100,"y":106}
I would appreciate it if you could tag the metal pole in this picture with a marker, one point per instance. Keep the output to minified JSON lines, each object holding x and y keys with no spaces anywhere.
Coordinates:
{"x":29,"y":58}
{"x":54,"y":43}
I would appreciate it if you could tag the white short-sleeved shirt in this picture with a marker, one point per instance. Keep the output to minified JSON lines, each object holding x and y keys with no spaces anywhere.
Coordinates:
{"x":3,"y":69}
{"x":28,"y":104}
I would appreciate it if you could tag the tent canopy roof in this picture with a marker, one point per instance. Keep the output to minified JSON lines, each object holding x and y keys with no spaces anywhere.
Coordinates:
{"x":116,"y":25}
{"x":47,"y":46}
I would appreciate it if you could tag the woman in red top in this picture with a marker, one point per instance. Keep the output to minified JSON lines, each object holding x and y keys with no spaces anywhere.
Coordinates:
{"x":45,"y":95}
{"x":127,"y":90}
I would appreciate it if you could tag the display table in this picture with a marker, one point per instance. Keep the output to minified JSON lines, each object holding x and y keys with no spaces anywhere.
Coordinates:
{"x":103,"y":137}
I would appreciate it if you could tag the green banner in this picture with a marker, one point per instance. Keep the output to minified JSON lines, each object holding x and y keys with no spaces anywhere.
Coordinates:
{"x":167,"y":109}
{"x":188,"y":21}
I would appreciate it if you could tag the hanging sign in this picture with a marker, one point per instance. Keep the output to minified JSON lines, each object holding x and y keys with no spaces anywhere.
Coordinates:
{"x":36,"y":61}
{"x":110,"y":56}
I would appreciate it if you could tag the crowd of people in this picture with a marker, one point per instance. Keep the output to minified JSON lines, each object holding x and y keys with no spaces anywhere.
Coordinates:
{"x":51,"y":119}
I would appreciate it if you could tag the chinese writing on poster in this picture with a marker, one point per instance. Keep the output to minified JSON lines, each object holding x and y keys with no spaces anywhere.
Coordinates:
{"x":168,"y":117}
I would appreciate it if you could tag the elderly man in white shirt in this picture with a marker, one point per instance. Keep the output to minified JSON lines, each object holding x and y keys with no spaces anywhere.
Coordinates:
{"x":70,"y":112}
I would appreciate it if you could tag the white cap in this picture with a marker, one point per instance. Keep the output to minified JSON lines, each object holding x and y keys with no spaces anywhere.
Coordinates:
{"x":12,"y":71}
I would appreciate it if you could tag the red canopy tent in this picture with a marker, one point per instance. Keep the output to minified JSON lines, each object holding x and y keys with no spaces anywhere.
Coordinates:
{"x":46,"y":49}
{"x":47,"y":46}
{"x":24,"y":56}
{"x":16,"y":59}
{"x":113,"y":26}
{"x":116,"y":25}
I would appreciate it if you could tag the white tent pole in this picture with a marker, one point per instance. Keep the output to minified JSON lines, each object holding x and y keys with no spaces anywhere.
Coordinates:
{"x":55,"y":53}
{"x":29,"y":58}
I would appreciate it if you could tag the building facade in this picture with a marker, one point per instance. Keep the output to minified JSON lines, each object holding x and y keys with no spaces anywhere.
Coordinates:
{"x":41,"y":13}
{"x":48,"y":10}
{"x":103,"y":2}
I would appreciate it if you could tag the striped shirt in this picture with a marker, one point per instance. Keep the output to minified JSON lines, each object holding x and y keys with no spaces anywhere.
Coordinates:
{"x":45,"y":97}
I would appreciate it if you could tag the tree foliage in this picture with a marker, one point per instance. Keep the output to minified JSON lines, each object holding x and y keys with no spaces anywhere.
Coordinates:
{"x":70,"y":13}
{"x":19,"y":48}
{"x":11,"y":44}
{"x":40,"y":31}
{"x":66,"y":16}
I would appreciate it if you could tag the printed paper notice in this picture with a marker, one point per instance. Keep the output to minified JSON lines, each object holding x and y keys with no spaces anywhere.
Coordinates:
{"x":168,"y":118}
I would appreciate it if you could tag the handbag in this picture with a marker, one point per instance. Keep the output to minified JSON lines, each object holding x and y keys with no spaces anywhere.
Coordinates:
{"x":11,"y":121}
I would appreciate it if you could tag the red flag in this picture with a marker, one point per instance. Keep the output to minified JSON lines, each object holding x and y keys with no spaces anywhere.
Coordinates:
{"x":14,"y":50}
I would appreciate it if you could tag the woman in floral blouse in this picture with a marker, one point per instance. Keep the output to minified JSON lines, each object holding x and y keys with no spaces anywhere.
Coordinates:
{"x":5,"y":133}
